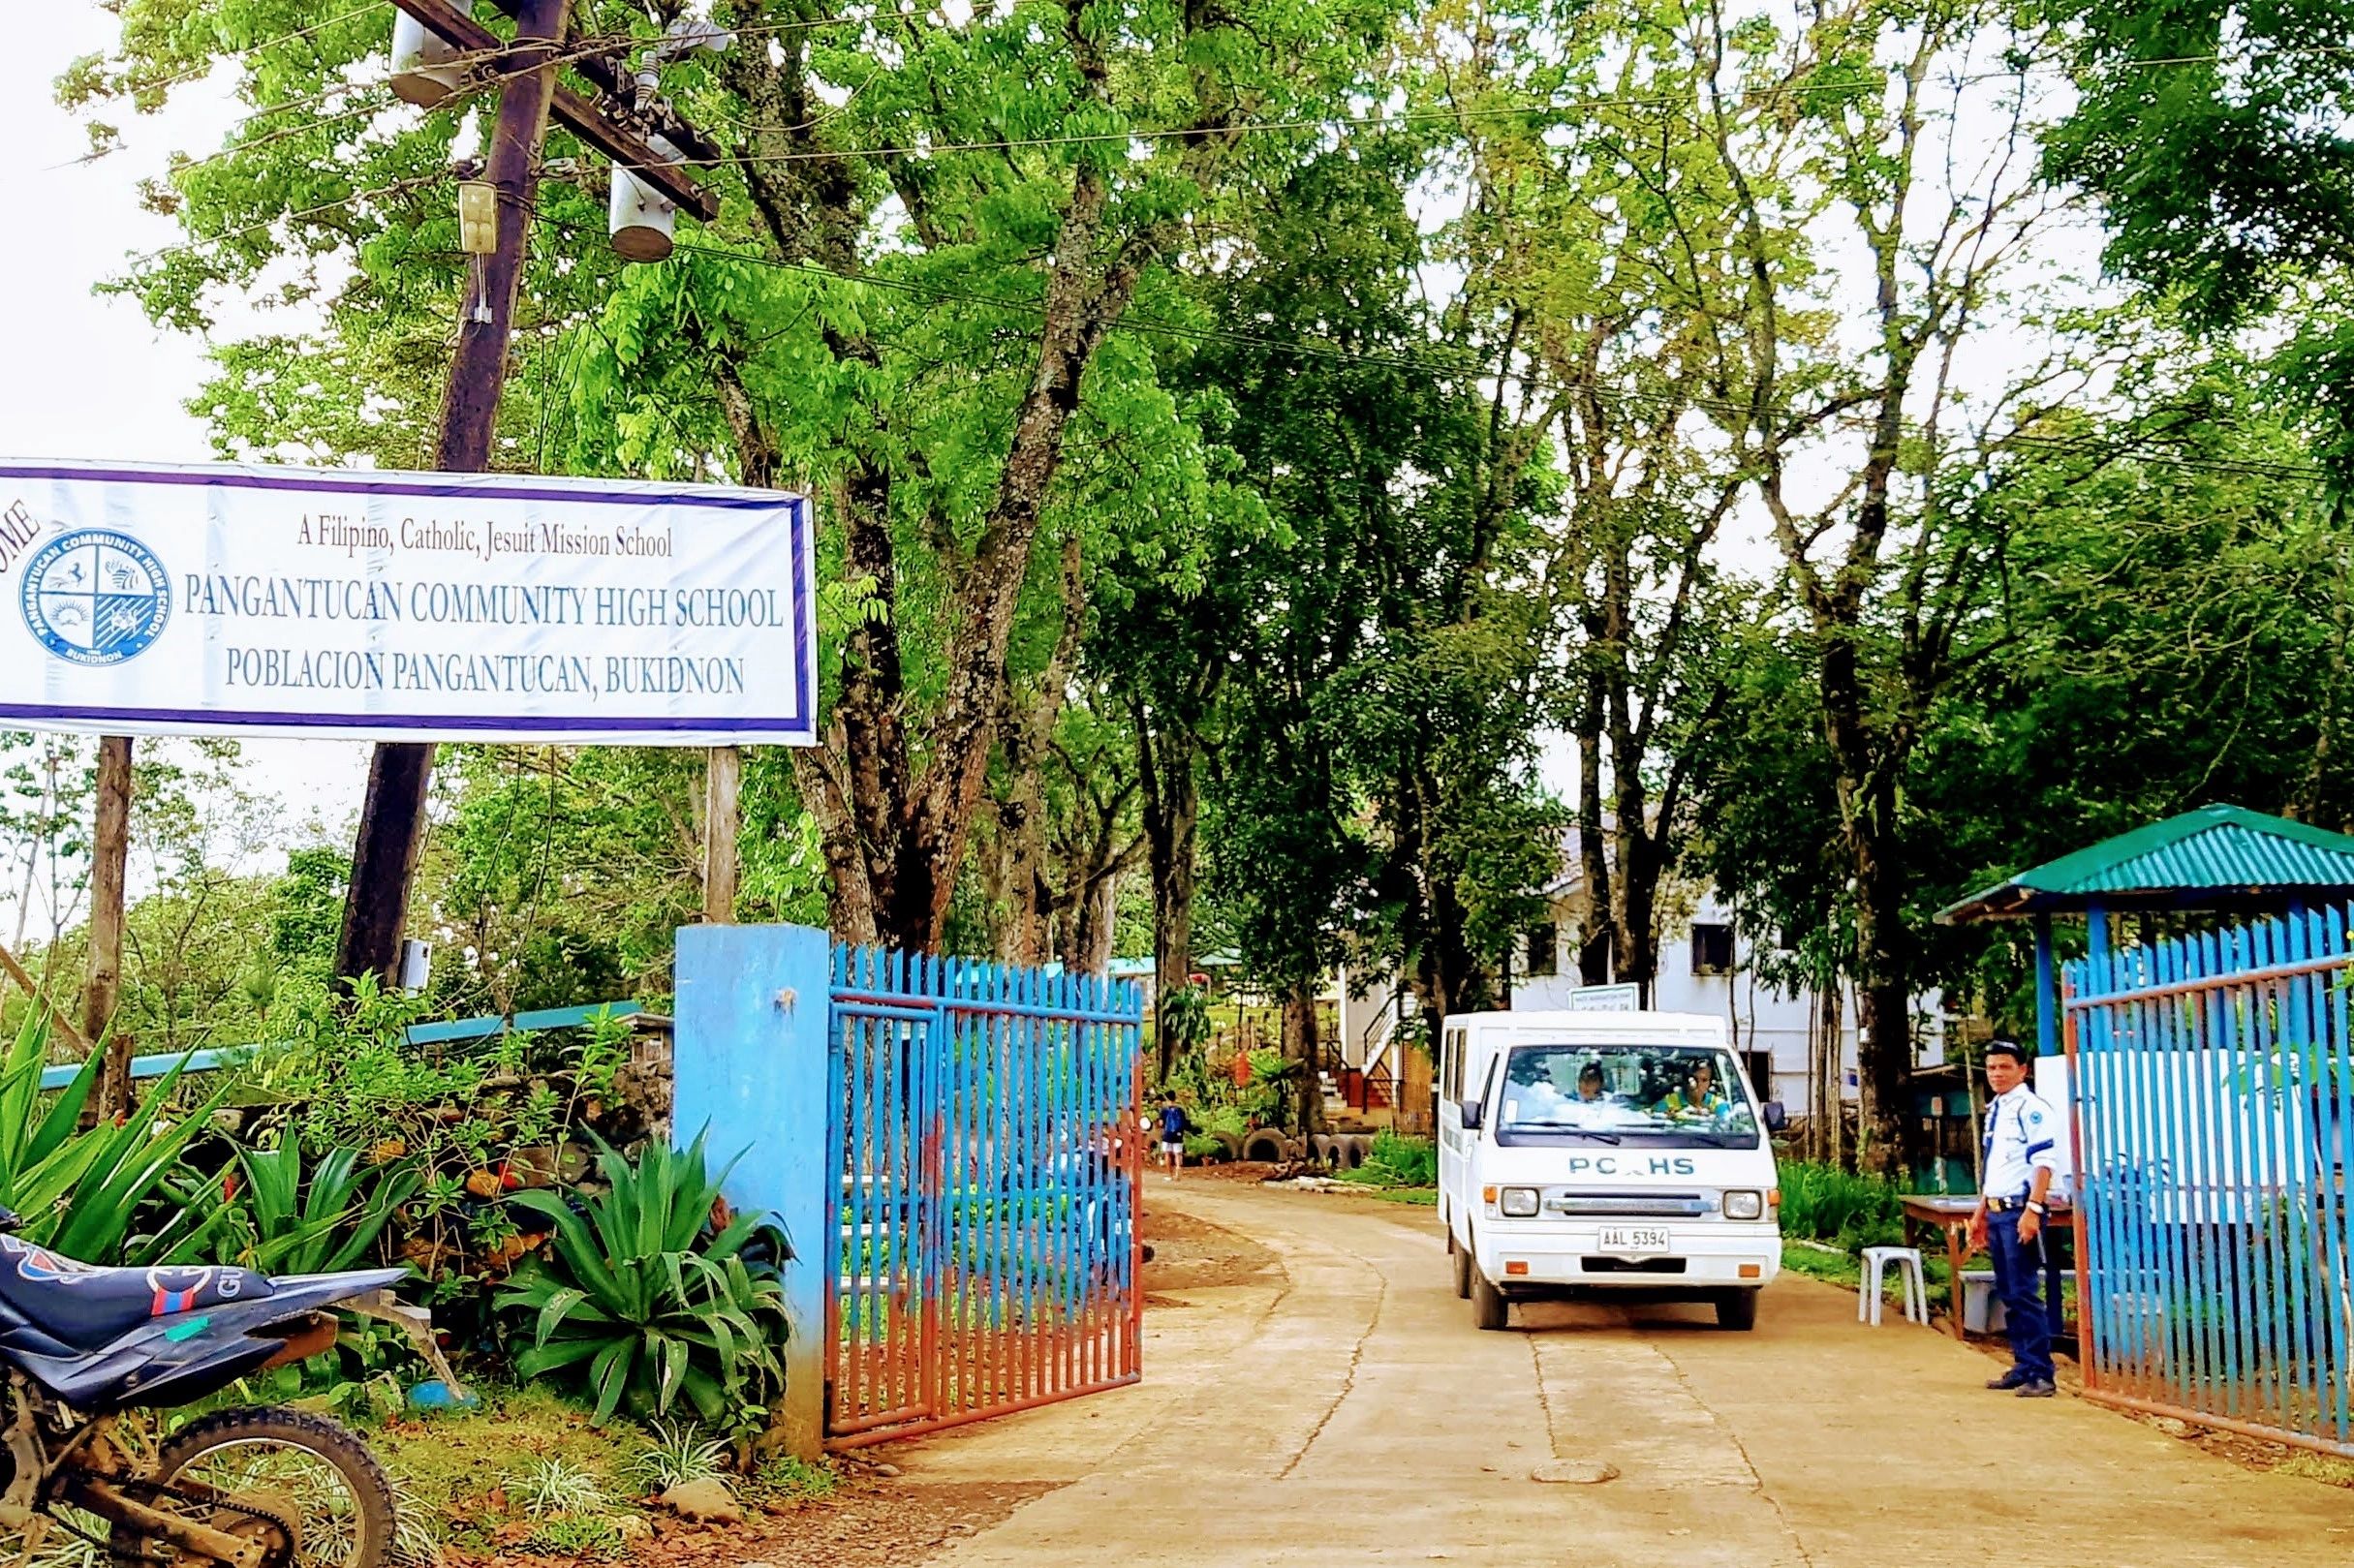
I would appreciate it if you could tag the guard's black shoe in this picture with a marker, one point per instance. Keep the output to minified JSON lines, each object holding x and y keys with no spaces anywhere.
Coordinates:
{"x":2008,"y":1380}
{"x":2037,"y":1388}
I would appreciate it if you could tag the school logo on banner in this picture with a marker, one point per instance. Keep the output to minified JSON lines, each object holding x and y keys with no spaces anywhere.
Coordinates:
{"x":96,"y":597}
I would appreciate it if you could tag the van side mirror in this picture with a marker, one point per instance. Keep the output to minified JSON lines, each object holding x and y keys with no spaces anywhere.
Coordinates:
{"x":1471,"y":1116}
{"x":1775,"y":1118}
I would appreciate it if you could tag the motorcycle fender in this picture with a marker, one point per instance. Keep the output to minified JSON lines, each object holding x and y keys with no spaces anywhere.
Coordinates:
{"x":305,"y":1337}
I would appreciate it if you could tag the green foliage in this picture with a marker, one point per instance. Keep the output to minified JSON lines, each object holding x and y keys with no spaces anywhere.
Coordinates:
{"x":642,"y":1302}
{"x":799,"y":1480}
{"x":1399,"y":1159}
{"x":442,"y":1118}
{"x":1825,"y":1203}
{"x":678,"y":1452}
{"x":284,"y":1219}
{"x":576,"y":1536}
{"x":556,"y":1486}
{"x":81,"y":1191}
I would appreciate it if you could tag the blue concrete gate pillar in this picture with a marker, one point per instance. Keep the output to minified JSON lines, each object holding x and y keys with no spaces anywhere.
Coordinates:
{"x":749,"y":1065}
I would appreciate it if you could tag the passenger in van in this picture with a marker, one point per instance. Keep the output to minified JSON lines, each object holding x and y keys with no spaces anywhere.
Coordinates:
{"x":1699,"y":1098}
{"x":1590,"y":1082}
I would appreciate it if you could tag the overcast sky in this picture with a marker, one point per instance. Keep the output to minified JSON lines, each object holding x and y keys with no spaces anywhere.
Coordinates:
{"x":86,"y":375}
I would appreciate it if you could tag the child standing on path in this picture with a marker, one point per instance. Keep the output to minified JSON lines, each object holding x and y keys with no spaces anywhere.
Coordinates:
{"x":1174,"y":1125}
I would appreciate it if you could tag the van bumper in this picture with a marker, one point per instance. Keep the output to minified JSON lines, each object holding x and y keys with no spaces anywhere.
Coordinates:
{"x":1698,"y":1256}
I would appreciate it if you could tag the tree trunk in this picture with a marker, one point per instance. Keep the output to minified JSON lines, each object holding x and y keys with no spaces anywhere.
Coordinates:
{"x":110,"y":864}
{"x":723,"y":822}
{"x":1172,"y":806}
{"x":1594,"y":940}
{"x":1300,"y":1047}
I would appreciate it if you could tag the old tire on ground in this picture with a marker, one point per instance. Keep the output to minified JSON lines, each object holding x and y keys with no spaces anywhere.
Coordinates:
{"x":1737,"y":1310}
{"x":1461,"y":1258}
{"x":1266,"y":1144}
{"x":1489,"y":1308}
{"x":1294,"y":1151}
{"x":1232,"y":1142}
{"x":1353,"y":1150}
{"x":369,"y":1543}
{"x":1322,"y":1150}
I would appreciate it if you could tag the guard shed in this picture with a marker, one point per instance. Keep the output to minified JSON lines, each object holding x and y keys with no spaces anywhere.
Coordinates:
{"x":2218,"y":858}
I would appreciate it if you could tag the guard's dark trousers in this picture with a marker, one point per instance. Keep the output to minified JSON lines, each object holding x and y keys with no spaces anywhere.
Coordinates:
{"x":2019,"y":1281}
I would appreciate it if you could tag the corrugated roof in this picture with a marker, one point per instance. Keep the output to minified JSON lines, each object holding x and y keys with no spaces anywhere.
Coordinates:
{"x":2214,"y":857}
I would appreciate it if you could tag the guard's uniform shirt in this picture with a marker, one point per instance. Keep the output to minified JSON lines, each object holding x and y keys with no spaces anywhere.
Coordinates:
{"x":2022,"y":1130}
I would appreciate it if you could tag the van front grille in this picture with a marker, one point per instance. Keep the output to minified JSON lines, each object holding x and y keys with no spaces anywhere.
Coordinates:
{"x":1637,"y":1205}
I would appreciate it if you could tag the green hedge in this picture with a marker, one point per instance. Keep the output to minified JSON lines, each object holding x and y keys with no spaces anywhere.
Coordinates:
{"x":1823,"y":1203}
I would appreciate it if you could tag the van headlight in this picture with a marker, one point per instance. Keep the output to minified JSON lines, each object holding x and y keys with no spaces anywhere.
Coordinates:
{"x":1517,"y":1202}
{"x":1744,"y":1205}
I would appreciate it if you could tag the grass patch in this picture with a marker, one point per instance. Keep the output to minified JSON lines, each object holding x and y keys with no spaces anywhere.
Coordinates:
{"x":2322,"y":1467}
{"x":1847,"y":1270}
{"x":797,"y":1480}
{"x":467,"y":1476}
{"x":1425,"y":1197}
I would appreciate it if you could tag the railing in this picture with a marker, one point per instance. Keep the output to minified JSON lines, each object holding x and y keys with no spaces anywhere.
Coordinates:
{"x":2213,"y":1079}
{"x":211,"y":1059}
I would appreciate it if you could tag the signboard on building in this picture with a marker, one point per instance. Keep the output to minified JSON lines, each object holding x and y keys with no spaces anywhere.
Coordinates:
{"x":1623,"y":997}
{"x":229,"y":599}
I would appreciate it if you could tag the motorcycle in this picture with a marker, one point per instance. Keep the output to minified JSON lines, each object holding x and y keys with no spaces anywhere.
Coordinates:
{"x":262,"y":1487}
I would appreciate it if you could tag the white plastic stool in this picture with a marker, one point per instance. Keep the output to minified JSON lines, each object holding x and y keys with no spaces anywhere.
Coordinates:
{"x":1907,"y":1261}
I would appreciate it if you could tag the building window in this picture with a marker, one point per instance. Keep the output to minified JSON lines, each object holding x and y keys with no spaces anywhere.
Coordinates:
{"x":1543,"y":956}
{"x":1712,"y":949}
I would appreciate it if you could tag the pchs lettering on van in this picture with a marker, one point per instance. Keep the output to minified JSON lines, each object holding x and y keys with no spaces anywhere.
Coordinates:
{"x":1615,"y":1165}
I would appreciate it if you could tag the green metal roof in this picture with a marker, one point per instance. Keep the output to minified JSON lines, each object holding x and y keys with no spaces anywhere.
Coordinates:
{"x":2217,"y":857}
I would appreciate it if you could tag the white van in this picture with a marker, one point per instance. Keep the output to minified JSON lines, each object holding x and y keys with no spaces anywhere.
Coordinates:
{"x":1589,"y":1152}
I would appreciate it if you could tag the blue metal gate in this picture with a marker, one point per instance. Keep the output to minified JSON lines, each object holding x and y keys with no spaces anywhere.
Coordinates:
{"x":988,"y":1152}
{"x":2214,"y":1083}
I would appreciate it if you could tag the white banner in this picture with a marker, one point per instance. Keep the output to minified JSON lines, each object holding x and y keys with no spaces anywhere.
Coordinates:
{"x":227,"y":599}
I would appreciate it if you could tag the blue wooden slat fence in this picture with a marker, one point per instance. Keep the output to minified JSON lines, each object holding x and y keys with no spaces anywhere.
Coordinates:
{"x":2213,"y":1086}
{"x":987,"y":1147}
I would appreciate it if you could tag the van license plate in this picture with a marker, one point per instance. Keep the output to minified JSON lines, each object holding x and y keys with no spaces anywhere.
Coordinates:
{"x":1633,"y":1241}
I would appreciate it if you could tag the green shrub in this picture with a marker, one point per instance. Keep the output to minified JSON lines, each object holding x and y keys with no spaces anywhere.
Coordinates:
{"x":284,"y":1221}
{"x":1824,"y":1203}
{"x":1396,"y":1160}
{"x":642,"y":1303}
{"x":80,"y":1191}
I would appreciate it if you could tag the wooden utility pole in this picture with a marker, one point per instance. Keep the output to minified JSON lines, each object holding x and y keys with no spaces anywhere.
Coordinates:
{"x":392,"y":821}
{"x":722,"y":823}
{"x":109,"y":861}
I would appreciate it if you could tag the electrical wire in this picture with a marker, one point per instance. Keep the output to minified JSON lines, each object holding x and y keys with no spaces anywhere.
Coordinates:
{"x":576,"y":50}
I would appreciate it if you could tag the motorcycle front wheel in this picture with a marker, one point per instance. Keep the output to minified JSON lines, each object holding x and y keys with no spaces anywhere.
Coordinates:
{"x":293,"y":1468}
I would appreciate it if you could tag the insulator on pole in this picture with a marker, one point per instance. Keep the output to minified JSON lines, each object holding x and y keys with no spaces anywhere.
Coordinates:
{"x":422,"y":69}
{"x":640,"y":217}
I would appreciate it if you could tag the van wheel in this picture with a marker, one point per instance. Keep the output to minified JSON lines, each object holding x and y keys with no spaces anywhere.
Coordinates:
{"x":1737,"y":1310}
{"x":1462,"y":1259}
{"x":1489,"y":1308}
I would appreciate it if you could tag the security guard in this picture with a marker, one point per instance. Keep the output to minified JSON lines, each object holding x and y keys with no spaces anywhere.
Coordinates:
{"x":2021,"y":1131}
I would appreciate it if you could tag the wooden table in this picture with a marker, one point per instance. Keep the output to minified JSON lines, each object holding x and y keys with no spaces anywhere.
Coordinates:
{"x":1951,"y":1214}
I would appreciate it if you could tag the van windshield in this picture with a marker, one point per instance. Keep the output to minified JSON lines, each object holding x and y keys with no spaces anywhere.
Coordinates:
{"x":1671,"y":1094}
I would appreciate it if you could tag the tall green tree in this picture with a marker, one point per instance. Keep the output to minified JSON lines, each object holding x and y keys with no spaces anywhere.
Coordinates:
{"x":934,"y":229}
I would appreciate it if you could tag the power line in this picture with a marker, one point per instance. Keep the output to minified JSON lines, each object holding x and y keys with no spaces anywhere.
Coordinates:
{"x":1148,"y":134}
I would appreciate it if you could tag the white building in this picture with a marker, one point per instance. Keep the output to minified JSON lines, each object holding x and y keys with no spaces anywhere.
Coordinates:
{"x":1705,"y":966}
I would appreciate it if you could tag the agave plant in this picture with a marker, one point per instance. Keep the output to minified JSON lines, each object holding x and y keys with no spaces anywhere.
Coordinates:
{"x":644,"y":1301}
{"x":80,"y":1190}
{"x":281,"y":1224}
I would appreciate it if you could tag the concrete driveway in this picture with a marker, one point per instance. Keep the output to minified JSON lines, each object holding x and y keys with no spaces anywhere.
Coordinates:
{"x":1341,"y":1410}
